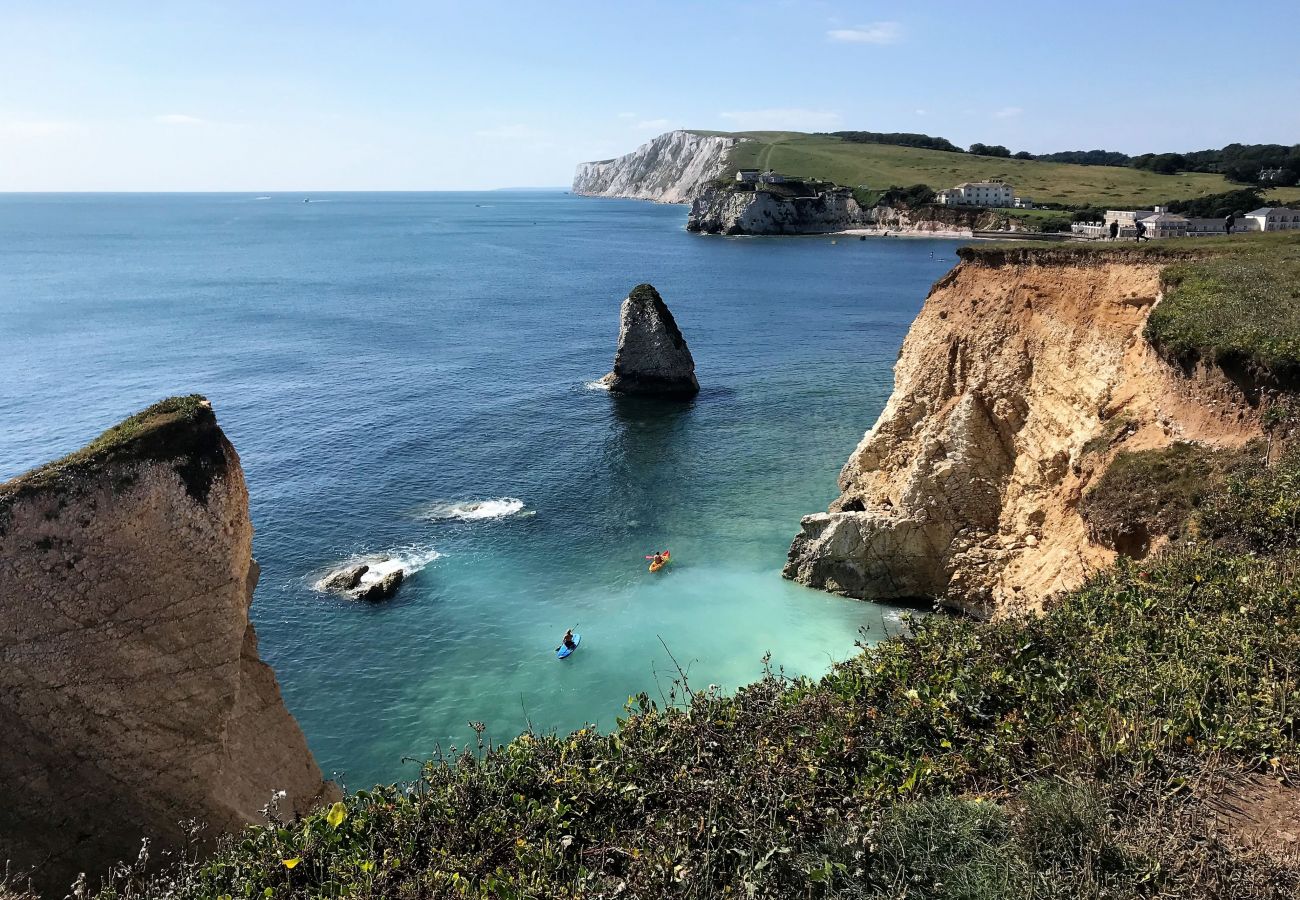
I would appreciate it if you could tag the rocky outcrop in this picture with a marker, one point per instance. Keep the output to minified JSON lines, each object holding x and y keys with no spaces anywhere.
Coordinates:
{"x":344,"y":579}
{"x":790,"y":209}
{"x":652,"y":357}
{"x":132,"y":697}
{"x":1020,"y":379}
{"x":376,"y":579}
{"x":799,"y":208}
{"x":383,"y":588}
{"x":672,"y":168}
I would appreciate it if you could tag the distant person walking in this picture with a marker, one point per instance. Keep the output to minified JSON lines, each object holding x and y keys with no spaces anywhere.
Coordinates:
{"x":1114,"y":229}
{"x":1140,"y":230}
{"x":1228,"y":221}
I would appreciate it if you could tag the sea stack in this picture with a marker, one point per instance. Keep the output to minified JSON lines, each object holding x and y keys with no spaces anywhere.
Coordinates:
{"x":132,"y":696}
{"x":652,"y":358}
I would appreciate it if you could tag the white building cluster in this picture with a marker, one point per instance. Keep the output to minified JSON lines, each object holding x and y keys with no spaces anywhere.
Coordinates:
{"x":1160,"y":223}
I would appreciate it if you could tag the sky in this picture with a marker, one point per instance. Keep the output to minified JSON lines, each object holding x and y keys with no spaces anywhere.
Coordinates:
{"x":114,"y":95}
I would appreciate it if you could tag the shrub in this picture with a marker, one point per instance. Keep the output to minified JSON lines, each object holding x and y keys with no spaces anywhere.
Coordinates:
{"x":1148,"y":493}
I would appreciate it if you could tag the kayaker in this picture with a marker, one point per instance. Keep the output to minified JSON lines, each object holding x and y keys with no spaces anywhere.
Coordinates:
{"x":659,"y":559}
{"x":568,"y":639}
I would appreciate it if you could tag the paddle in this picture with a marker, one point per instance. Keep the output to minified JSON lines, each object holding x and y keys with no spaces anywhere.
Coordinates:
{"x":575,"y":625}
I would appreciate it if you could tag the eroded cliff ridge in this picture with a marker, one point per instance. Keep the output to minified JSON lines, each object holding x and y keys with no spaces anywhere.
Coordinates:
{"x":673,"y":168}
{"x":132,"y":696}
{"x":797,"y":207}
{"x":1021,"y":377}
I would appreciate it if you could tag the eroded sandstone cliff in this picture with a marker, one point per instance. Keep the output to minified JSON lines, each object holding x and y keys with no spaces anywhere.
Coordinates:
{"x":672,"y":168}
{"x":1020,"y":379}
{"x":132,"y":696}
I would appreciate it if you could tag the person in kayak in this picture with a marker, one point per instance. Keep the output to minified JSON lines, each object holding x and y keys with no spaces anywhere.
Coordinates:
{"x":568,"y":639}
{"x":658,"y":560}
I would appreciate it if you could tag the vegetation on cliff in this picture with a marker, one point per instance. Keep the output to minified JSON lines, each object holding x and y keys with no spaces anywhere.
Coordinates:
{"x":1076,"y":754}
{"x":177,"y":428}
{"x":1237,"y":310}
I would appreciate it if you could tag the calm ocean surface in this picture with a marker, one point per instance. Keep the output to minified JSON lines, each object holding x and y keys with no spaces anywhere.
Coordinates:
{"x":379,"y":359}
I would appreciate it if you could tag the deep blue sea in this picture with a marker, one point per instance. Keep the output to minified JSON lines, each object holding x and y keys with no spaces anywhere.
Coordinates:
{"x":382,"y":360}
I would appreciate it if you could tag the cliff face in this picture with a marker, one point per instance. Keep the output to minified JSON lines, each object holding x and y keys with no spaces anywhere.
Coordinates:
{"x":672,"y":168}
{"x":132,"y":696}
{"x":732,"y":211}
{"x":1015,"y":386}
{"x":726,"y":211}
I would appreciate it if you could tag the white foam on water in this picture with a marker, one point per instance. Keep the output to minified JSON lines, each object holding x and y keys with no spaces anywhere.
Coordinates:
{"x":474,"y":510}
{"x":409,"y":559}
{"x":596,"y":386}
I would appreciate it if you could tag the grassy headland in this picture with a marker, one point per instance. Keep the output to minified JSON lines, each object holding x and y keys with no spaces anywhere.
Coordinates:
{"x":881,"y":165}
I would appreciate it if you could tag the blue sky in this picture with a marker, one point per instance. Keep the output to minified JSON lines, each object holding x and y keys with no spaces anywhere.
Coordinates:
{"x":391,"y":95}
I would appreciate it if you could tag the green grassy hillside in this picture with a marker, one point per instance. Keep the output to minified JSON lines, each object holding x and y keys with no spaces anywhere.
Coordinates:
{"x":880,"y":165}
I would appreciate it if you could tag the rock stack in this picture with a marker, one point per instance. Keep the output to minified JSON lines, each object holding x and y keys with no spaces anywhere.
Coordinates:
{"x":132,"y":696}
{"x":652,"y":357}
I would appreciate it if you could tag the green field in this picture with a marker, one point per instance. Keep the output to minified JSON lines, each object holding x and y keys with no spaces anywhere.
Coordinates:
{"x":882,"y":165}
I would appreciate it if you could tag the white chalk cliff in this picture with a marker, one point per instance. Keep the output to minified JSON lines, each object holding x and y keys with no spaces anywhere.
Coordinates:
{"x":673,"y":168}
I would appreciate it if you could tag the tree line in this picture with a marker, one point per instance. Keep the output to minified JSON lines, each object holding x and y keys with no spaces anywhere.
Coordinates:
{"x":1242,"y":163}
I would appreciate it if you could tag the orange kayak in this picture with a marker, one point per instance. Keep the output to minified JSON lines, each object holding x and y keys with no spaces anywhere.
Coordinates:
{"x":656,"y":566}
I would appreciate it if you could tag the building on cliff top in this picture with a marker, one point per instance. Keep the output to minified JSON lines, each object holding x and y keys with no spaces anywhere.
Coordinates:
{"x":1273,"y":218}
{"x":754,"y":176}
{"x":977,"y":193}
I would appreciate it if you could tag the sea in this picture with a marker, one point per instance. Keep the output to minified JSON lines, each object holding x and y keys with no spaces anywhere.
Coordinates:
{"x":411,"y":376}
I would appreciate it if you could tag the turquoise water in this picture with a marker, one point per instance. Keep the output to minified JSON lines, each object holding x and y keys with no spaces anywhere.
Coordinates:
{"x":381,"y":359}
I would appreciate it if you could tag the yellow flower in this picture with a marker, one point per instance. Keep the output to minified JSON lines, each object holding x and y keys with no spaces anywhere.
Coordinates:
{"x":290,"y":863}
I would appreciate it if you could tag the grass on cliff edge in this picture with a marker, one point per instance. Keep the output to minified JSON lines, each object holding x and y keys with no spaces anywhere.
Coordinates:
{"x":1233,"y":301}
{"x":881,"y":165}
{"x":1063,"y":756}
{"x":151,"y":433}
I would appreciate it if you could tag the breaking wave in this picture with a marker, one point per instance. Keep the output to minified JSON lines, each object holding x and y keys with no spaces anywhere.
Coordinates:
{"x":474,"y":510}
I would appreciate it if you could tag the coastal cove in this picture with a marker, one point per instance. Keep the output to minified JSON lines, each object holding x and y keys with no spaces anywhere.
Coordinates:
{"x":409,"y":374}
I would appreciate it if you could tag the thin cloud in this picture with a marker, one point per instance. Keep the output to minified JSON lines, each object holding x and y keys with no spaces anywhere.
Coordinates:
{"x":791,"y":119}
{"x":1008,"y":112}
{"x":39,"y":128}
{"x":875,"y":33}
{"x":626,"y":115}
{"x":653,"y":125}
{"x":179,"y":119}
{"x":921,"y":112}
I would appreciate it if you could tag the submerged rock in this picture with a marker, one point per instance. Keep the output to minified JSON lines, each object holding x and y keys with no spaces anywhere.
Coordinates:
{"x":652,"y":357}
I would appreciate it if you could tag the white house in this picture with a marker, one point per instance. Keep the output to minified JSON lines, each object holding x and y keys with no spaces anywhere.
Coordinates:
{"x":1023,"y":203}
{"x":770,"y":177}
{"x":748,"y":175}
{"x":1164,"y":225}
{"x":977,"y":193}
{"x":1274,"y":218}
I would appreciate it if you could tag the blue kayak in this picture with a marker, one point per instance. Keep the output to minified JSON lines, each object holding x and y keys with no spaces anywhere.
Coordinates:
{"x":565,"y":651}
